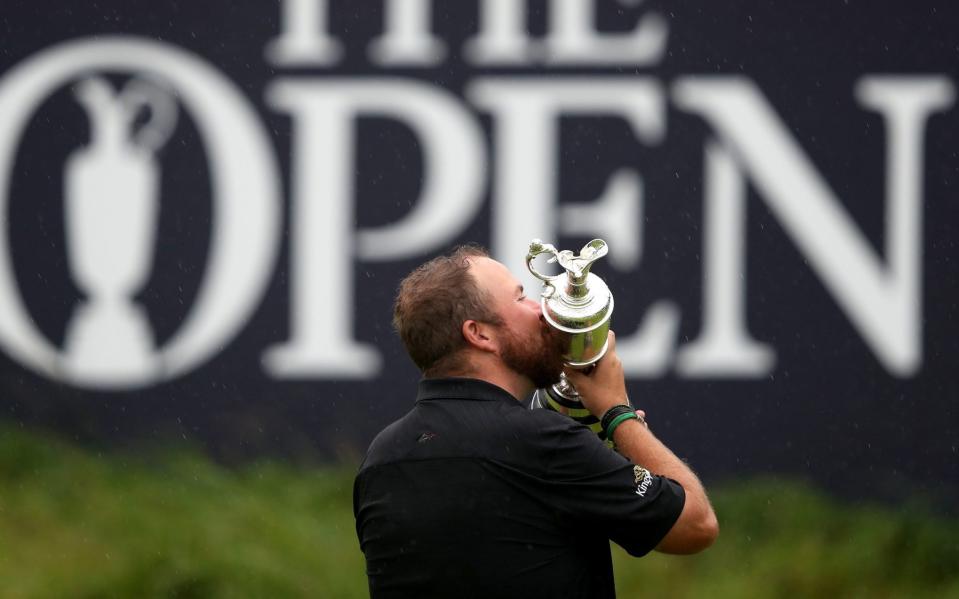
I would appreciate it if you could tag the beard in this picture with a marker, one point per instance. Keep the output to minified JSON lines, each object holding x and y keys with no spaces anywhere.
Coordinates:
{"x":537,"y":357}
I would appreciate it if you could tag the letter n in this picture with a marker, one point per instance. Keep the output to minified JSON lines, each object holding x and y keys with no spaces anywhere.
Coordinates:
{"x":880,"y":296}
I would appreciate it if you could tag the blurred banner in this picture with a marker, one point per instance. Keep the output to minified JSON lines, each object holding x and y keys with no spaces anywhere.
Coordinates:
{"x":207,"y":207}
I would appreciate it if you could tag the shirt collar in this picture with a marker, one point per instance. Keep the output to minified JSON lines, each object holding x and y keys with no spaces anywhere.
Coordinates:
{"x":461,"y":388}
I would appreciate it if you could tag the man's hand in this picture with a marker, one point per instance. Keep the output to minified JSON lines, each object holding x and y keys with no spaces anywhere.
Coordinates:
{"x":605,"y":385}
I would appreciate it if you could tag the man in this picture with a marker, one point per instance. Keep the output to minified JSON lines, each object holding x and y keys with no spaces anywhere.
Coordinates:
{"x":473,"y":495}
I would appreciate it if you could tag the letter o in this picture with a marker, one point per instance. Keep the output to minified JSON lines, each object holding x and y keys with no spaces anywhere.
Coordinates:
{"x":245,"y":184}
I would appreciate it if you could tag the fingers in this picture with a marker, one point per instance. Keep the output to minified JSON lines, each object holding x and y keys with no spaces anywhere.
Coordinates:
{"x":578,"y":374}
{"x":610,"y":359}
{"x":574,"y":375}
{"x":610,"y":355}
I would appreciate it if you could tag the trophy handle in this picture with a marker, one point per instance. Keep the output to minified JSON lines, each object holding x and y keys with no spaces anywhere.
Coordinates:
{"x":152,"y":96}
{"x":537,"y":247}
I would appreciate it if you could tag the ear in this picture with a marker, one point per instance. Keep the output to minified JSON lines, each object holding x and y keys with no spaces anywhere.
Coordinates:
{"x":480,"y":335}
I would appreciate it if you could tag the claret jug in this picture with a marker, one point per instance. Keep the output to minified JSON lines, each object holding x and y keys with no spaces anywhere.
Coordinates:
{"x":578,"y":303}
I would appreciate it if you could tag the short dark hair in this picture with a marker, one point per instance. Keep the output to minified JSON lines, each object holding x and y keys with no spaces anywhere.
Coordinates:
{"x":433,"y":302}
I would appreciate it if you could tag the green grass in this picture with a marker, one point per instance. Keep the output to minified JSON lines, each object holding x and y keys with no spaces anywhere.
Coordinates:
{"x":172,"y":524}
{"x":73,"y":524}
{"x":783,"y":539}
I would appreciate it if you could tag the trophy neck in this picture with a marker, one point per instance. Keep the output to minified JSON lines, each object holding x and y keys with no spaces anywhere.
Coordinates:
{"x":577,"y":291}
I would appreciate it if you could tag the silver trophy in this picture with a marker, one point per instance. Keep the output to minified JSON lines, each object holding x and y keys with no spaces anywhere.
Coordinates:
{"x":578,"y":303}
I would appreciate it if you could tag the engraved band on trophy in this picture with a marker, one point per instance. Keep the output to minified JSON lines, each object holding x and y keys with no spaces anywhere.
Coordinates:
{"x":578,"y":303}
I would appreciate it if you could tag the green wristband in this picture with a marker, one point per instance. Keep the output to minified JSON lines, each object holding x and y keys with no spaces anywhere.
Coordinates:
{"x":619,"y":420}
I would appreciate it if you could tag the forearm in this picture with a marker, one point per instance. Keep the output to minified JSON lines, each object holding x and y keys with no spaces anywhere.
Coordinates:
{"x":640,"y":446}
{"x":697,"y":526}
{"x":605,"y":388}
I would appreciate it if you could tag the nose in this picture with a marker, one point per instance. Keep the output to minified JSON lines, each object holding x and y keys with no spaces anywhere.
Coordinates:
{"x":537,"y":309}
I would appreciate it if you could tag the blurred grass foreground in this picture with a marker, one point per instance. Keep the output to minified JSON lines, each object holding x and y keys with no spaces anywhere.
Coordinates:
{"x":74,"y":523}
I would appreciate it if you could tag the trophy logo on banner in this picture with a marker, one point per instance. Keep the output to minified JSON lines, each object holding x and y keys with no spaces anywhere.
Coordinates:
{"x":580,"y":305}
{"x":110,"y":212}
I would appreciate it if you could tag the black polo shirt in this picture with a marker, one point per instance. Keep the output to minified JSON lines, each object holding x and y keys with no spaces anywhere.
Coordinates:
{"x":473,"y":495}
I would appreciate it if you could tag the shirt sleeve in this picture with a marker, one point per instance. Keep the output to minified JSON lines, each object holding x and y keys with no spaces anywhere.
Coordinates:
{"x":594,"y":487}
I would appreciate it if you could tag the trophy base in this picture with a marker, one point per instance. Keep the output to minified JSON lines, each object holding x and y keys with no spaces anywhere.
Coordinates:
{"x":563,"y":398}
{"x":109,"y":345}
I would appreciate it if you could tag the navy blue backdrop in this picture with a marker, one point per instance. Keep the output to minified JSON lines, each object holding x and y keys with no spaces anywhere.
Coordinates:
{"x":831,"y":406}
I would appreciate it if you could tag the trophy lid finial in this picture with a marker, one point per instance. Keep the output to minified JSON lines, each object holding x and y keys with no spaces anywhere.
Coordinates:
{"x":578,"y":266}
